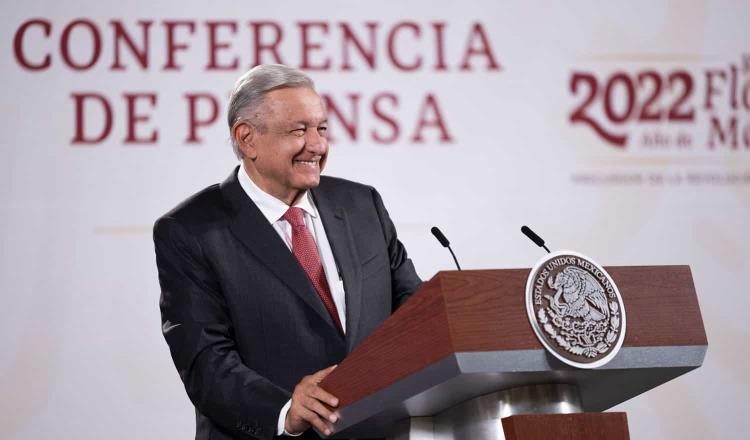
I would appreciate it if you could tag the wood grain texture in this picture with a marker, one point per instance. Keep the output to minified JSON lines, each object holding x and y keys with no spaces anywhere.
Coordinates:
{"x":582,"y":426}
{"x":484,"y":310}
{"x":661,"y":304}
{"x":487,"y":309}
{"x":416,"y":336}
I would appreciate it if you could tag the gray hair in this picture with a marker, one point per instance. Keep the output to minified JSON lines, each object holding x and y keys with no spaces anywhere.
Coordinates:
{"x":252,"y":87}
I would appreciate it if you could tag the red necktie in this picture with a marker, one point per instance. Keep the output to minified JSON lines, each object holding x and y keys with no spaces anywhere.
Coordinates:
{"x":306,"y":253}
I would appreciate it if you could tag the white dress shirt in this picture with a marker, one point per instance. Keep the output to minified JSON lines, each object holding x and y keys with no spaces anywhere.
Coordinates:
{"x":273,"y":210}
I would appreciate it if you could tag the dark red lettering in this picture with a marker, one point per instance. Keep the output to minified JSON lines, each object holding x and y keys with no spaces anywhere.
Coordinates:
{"x":724,"y":136}
{"x":609,"y":97}
{"x":348,"y":39}
{"x":349,"y":125}
{"x":431,"y":106}
{"x":96,"y":41}
{"x":134,"y":119}
{"x":417,"y":63}
{"x":581,"y":80}
{"x":121,"y":35}
{"x":308,"y":47}
{"x":80,"y":136}
{"x":477,"y":33}
{"x":194,"y":120}
{"x":733,"y":86}
{"x":648,"y":112}
{"x":215,"y":46}
{"x":261,"y":47}
{"x":387,"y":119}
{"x":18,"y":45}
{"x":677,"y":112}
{"x":710,"y":89}
{"x":439,"y":47}
{"x":172,"y":45}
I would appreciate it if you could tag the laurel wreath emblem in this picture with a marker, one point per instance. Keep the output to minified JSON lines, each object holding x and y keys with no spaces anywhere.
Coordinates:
{"x":583,"y":338}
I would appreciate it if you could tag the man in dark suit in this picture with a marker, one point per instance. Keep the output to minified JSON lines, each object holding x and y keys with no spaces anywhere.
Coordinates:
{"x":270,"y":278}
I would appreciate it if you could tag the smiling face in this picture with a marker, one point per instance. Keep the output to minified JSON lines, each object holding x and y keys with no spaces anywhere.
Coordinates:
{"x":286,"y":149}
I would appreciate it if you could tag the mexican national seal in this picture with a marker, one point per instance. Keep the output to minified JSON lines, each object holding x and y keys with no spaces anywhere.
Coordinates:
{"x":575,"y":309}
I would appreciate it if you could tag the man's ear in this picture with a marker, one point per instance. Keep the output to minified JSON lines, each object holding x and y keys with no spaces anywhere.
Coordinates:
{"x":244,"y":134}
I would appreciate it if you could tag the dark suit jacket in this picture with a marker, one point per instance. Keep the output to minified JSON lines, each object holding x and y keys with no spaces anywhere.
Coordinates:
{"x":242,"y":320}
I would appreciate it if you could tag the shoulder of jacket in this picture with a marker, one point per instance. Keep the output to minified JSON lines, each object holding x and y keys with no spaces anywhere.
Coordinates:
{"x":202,"y":208}
{"x":337,"y":183}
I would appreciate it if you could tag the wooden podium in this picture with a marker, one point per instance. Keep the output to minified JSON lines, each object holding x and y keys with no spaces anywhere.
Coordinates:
{"x":463,"y":343}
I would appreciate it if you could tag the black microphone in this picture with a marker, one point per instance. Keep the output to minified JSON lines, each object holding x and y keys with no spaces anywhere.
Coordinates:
{"x":535,"y":238}
{"x":444,"y":241}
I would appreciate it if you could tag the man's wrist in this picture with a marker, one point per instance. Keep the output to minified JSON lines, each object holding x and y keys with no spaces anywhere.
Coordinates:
{"x":281,"y":426}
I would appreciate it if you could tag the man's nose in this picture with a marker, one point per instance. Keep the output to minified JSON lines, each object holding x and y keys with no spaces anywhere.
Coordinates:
{"x":314,"y":141}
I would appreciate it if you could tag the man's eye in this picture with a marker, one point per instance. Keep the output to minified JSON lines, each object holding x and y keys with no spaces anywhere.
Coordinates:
{"x":322,"y":130}
{"x":299,"y":132}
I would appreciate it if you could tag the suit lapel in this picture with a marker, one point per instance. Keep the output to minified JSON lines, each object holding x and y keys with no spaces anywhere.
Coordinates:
{"x":253,"y":230}
{"x":339,"y":232}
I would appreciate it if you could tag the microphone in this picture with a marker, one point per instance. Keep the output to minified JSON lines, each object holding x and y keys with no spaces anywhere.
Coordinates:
{"x":444,"y":241}
{"x":535,"y":238}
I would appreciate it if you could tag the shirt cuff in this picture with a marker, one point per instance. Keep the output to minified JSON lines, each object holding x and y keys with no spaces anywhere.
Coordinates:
{"x":282,"y":420}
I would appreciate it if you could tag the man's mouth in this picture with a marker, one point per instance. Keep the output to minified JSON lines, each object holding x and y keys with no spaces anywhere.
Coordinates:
{"x":309,"y":163}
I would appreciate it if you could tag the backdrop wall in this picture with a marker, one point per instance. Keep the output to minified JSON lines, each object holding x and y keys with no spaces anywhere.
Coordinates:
{"x":620,"y":131}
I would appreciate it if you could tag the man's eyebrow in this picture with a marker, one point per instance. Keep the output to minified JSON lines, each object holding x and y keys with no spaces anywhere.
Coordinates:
{"x":306,"y":123}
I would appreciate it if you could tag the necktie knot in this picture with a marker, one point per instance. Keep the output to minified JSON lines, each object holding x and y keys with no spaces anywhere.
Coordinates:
{"x":295,"y":217}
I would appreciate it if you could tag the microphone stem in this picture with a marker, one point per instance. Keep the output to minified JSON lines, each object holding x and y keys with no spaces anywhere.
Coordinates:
{"x":454,"y":258}
{"x":545,"y":248}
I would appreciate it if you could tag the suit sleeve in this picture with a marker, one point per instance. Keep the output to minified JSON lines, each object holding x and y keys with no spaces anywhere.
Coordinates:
{"x":198,"y":329}
{"x":404,"y":278}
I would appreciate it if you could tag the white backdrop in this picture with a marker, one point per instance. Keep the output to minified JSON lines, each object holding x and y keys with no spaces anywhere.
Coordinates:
{"x":82,"y":354}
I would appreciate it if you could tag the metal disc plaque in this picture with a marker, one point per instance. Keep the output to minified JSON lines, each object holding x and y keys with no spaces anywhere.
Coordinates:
{"x":575,"y":309}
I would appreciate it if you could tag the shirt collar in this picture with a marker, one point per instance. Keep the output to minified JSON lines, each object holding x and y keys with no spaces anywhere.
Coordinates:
{"x":272,"y":208}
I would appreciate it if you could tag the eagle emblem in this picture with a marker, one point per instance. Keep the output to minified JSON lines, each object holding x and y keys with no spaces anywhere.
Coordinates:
{"x":578,"y":295}
{"x":575,"y":309}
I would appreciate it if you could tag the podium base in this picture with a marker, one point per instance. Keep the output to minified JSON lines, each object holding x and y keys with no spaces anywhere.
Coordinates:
{"x":480,"y":418}
{"x":583,"y":426}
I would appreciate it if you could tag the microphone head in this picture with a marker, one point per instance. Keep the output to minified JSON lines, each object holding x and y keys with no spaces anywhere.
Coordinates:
{"x":535,"y":238}
{"x":439,"y":235}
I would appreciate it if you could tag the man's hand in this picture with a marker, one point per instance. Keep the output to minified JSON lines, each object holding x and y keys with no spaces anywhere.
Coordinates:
{"x":312,"y":405}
